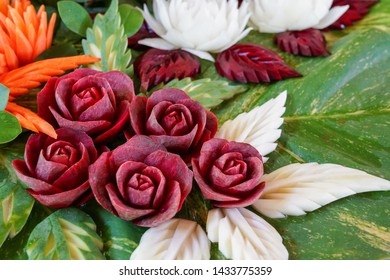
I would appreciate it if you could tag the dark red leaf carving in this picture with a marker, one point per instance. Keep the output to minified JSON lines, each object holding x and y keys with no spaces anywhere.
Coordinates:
{"x":309,"y":42}
{"x":144,"y":32}
{"x":252,"y":63}
{"x":161,"y":66}
{"x":357,"y":10}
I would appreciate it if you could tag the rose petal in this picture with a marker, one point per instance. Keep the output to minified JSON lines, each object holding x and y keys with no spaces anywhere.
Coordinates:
{"x":174,"y":169}
{"x":176,"y":144}
{"x":246,"y":201}
{"x":209,"y":153}
{"x":80,"y":73}
{"x":99,"y":178}
{"x":61,"y":152}
{"x":120,"y":123}
{"x":135,"y":149}
{"x":124,"y":173}
{"x":78,"y":137}
{"x":121,"y":85}
{"x":178,"y":120}
{"x":48,"y":171}
{"x":76,"y":174}
{"x":153,"y":126}
{"x":62,"y":199}
{"x":90,"y":127}
{"x":160,"y":181}
{"x":124,"y":211}
{"x":206,"y":190}
{"x":137,"y":114}
{"x":172,"y":95}
{"x":245,"y":149}
{"x":168,"y":210}
{"x":94,"y":82}
{"x":46,"y":99}
{"x":140,"y":198}
{"x":101,"y":110}
{"x":63,"y":94}
{"x":34,"y":184}
{"x":31,"y":153}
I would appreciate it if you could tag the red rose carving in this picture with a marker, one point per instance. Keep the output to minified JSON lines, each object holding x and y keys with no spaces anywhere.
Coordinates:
{"x":88,"y":100}
{"x":170,"y":117}
{"x":141,"y":182}
{"x":56,"y":170}
{"x":229,"y":173}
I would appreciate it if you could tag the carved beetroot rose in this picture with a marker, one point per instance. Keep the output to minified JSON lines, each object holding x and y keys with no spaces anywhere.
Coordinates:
{"x":56,"y":170}
{"x":141,"y":182}
{"x":170,"y":117}
{"x":229,"y":173}
{"x":88,"y":100}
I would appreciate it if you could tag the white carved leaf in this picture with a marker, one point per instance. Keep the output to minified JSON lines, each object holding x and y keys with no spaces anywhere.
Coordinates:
{"x":258,"y":127}
{"x":176,"y":239}
{"x":298,"y":188}
{"x":243,"y":235}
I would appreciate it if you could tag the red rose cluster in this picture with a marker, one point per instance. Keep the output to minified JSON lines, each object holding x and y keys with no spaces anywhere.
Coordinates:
{"x":147,"y":179}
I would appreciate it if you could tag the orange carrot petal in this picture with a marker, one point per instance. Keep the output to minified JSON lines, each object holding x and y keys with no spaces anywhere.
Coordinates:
{"x":50,"y":30}
{"x":41,"y":71}
{"x":30,"y":120}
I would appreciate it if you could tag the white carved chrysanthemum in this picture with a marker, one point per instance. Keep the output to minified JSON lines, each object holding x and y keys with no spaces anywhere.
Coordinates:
{"x":297,"y":188}
{"x":176,"y":239}
{"x":199,"y":27}
{"x":274,"y":16}
{"x":259,"y":127}
{"x":241,"y":234}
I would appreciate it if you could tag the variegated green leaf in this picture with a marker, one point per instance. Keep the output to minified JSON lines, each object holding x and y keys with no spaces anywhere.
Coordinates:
{"x":67,"y":234}
{"x":15,"y":203}
{"x":108,"y":41}
{"x":210,"y":93}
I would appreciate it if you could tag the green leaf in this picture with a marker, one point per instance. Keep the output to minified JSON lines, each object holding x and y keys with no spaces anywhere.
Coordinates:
{"x":4,"y":95}
{"x":62,"y":50}
{"x":108,"y":41}
{"x":66,"y":234}
{"x":15,"y":203}
{"x":10,"y":127}
{"x":131,"y":18}
{"x":210,"y":93}
{"x":120,"y":237}
{"x":74,"y":16}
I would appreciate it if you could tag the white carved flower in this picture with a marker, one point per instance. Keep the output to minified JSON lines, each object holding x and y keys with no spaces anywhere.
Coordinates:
{"x":274,"y":16}
{"x":200,"y":27}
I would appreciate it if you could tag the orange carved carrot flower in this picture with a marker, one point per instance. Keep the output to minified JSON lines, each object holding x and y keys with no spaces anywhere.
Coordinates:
{"x":24,"y":34}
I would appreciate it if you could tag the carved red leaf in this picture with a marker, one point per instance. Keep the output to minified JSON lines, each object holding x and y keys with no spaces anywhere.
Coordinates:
{"x":309,"y":42}
{"x":357,"y":10}
{"x":252,"y":63}
{"x":161,"y":66}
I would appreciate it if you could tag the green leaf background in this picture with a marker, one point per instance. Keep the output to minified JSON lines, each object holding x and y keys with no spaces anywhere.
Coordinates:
{"x":337,"y":113}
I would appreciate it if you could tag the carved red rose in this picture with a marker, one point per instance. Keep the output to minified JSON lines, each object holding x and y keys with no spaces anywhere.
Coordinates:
{"x":229,"y":173}
{"x":141,"y":182}
{"x":88,"y":100}
{"x":56,"y":170}
{"x":170,"y":117}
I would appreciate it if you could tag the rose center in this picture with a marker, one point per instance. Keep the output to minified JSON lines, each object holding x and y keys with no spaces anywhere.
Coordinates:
{"x":141,"y":190}
{"x":233,"y":167}
{"x":83,"y":100}
{"x":63,"y":153}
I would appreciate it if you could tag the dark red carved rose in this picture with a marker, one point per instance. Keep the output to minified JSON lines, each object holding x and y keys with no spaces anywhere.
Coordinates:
{"x":161,"y":66}
{"x":56,"y":170}
{"x":309,"y":42}
{"x":229,"y":173}
{"x":170,"y":117}
{"x":250,"y":63}
{"x":141,"y":182}
{"x":88,"y":100}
